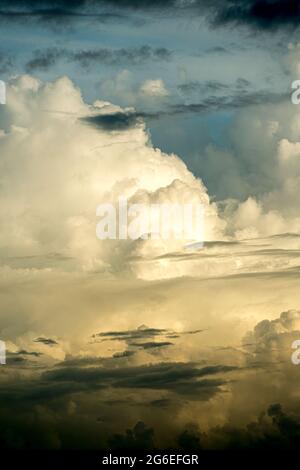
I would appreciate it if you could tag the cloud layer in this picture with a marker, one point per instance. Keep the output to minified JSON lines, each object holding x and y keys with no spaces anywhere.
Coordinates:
{"x":260,"y":14}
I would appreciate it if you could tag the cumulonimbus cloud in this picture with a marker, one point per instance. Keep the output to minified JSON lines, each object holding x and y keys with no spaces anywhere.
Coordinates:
{"x":56,"y":169}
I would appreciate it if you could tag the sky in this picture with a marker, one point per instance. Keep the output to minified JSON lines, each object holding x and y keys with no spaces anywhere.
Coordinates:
{"x":145,"y":343}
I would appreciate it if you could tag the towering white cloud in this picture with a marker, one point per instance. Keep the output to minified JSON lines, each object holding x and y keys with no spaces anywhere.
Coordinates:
{"x":56,"y":168}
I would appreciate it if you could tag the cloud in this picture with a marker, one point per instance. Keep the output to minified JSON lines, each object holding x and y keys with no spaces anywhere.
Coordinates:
{"x":92,"y":164}
{"x":60,"y":157}
{"x":190,"y":380}
{"x":152,"y":344}
{"x":46,"y":341}
{"x":274,"y":428}
{"x":140,"y":333}
{"x":151,"y":98}
{"x":259,"y":14}
{"x":258,"y":166}
{"x":59,"y":14}
{"x":180,"y":378}
{"x":133,"y":56}
{"x":154,"y":88}
{"x":115,"y":121}
{"x":210,"y":87}
{"x":271,"y":204}
{"x":196,"y":98}
{"x":271,"y":341}
{"x":65,"y":381}
{"x":45,"y":59}
{"x":228,"y":101}
{"x":144,"y":337}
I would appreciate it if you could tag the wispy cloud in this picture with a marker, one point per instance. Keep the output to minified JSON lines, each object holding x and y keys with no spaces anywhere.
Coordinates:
{"x":45,"y":59}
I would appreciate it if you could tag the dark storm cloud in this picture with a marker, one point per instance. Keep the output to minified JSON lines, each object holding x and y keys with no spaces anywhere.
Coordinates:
{"x":59,"y":12}
{"x":261,"y":14}
{"x":45,"y":59}
{"x":113,"y":122}
{"x":180,"y":378}
{"x":139,"y":333}
{"x":15,"y":359}
{"x":22,"y":357}
{"x":46,"y":341}
{"x":183,"y":379}
{"x":152,"y":344}
{"x":95,"y":361}
{"x":24,"y":393}
{"x":141,"y":336}
{"x":81,"y":362}
{"x":23,"y":352}
{"x":193,"y":332}
{"x":120,"y":121}
{"x":123,"y":354}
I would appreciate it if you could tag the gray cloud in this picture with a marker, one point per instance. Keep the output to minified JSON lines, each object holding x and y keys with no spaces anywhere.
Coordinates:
{"x":119,"y":121}
{"x":133,"y":56}
{"x":152,"y":344}
{"x":140,"y":337}
{"x":125,"y":120}
{"x":23,"y":352}
{"x":181,"y":378}
{"x":139,"y":333}
{"x":44,"y":59}
{"x":238,"y":100}
{"x":46,"y":341}
{"x":241,"y":85}
{"x":258,"y":14}
{"x":199,"y":87}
